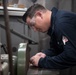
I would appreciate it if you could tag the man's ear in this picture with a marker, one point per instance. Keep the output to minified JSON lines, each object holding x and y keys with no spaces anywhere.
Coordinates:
{"x":39,"y":13}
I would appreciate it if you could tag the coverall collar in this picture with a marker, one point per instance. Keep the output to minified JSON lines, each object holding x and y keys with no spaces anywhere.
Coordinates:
{"x":51,"y":29}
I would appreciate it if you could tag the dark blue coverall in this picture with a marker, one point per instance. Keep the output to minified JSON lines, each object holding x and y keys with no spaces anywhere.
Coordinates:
{"x":62,"y":53}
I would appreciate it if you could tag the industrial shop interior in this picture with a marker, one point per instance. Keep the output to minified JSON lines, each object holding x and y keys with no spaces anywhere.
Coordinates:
{"x":19,"y":42}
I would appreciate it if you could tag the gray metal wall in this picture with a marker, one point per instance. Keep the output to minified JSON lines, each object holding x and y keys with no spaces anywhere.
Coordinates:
{"x":28,"y":3}
{"x":74,"y":5}
{"x":60,"y":4}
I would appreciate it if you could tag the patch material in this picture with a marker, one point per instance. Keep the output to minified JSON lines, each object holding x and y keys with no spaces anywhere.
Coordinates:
{"x":64,"y":39}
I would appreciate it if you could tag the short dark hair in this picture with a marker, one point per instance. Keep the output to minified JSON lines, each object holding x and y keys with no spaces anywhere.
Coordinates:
{"x":31,"y":11}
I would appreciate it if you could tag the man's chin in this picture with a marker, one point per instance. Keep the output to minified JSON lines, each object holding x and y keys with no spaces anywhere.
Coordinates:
{"x":44,"y":31}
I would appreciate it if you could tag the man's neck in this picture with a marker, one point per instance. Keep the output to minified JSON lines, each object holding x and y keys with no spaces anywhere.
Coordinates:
{"x":49,"y":17}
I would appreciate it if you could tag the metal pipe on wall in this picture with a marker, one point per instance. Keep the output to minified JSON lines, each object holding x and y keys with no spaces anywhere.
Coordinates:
{"x":30,"y":41}
{"x":8,"y":37}
{"x":0,"y":51}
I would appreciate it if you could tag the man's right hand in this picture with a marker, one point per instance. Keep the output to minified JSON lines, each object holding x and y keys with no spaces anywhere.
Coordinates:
{"x":35,"y":59}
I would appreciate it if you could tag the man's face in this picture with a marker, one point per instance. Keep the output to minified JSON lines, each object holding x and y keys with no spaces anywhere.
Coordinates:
{"x":38,"y":22}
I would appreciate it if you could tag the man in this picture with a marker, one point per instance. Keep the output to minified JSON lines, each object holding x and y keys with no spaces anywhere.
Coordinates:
{"x":61,"y":27}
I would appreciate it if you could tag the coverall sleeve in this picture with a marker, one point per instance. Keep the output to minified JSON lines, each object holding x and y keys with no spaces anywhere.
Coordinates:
{"x":64,"y":60}
{"x":49,"y":52}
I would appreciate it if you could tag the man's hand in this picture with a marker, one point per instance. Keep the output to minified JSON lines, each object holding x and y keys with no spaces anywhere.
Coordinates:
{"x":35,"y":59}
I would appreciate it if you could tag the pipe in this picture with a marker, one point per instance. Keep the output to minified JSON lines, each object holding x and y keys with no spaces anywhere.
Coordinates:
{"x":30,"y":41}
{"x":8,"y":37}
